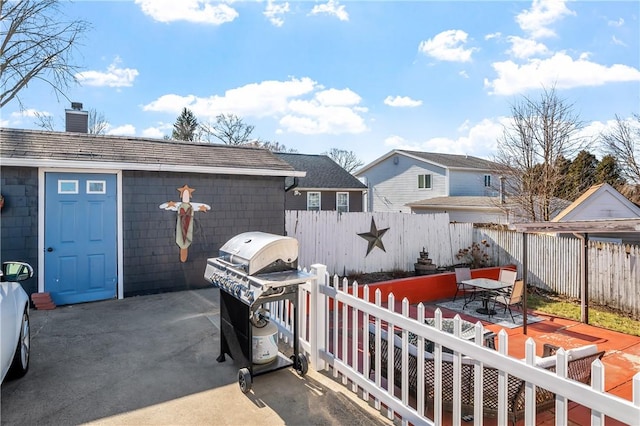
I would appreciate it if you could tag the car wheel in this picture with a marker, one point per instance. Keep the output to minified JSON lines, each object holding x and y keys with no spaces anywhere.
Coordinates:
{"x":20,"y":363}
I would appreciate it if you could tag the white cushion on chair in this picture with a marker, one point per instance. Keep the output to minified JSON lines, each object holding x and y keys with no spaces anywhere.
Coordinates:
{"x":582,"y":351}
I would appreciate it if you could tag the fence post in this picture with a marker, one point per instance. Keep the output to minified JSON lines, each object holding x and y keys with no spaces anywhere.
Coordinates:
{"x":317,"y":319}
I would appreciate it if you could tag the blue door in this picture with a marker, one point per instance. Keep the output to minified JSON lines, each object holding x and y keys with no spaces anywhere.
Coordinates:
{"x":80,"y":237}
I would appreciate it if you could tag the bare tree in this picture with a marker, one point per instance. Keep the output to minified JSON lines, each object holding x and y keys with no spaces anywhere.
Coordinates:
{"x":98,"y":124}
{"x":623,"y":143}
{"x":228,"y":129}
{"x":44,"y":120}
{"x":539,"y":134}
{"x":273,"y":146}
{"x":348,"y":160}
{"x":36,"y":43}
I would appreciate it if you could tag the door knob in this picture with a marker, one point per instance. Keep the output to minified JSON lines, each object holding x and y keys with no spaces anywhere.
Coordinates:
{"x":49,"y":249}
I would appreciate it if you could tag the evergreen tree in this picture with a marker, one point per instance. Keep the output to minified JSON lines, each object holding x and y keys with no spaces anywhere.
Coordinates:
{"x":184,"y":129}
{"x":582,"y":174}
{"x":608,"y":171}
{"x":562,"y":168}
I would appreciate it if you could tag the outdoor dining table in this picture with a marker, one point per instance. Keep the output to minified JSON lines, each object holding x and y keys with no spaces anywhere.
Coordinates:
{"x":487,"y":284}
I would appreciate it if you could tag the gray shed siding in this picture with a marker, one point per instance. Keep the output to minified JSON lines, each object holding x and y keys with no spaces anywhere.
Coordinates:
{"x":19,"y":219}
{"x":151,"y":256}
{"x":392,"y":185}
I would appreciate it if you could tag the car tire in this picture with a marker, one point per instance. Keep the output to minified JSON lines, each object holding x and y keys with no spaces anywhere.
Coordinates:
{"x":20,"y":363}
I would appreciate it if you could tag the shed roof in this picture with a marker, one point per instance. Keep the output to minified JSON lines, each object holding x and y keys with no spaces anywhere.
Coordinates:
{"x":34,"y":148}
{"x":460,"y":202}
{"x":322,"y":172}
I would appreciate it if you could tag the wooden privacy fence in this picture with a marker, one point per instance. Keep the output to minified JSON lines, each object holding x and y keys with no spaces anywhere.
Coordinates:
{"x":554,"y":264}
{"x":332,"y":239}
{"x":333,"y":323}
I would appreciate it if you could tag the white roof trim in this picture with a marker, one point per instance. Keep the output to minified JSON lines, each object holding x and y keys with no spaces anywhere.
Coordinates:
{"x":98,"y":165}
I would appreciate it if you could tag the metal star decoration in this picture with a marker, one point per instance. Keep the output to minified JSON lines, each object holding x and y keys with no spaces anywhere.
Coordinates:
{"x":374,"y":237}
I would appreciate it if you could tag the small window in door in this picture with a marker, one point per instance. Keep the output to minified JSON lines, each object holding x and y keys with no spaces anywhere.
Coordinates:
{"x":67,"y":187}
{"x":96,"y":187}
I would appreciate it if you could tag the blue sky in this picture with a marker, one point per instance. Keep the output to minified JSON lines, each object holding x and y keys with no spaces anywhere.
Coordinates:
{"x":365,"y":76}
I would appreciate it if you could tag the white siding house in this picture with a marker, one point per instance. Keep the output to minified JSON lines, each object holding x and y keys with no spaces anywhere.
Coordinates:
{"x":602,"y":202}
{"x":402,"y":177}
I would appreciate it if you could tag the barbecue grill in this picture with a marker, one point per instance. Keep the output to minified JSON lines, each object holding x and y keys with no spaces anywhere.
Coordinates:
{"x":253,"y":269}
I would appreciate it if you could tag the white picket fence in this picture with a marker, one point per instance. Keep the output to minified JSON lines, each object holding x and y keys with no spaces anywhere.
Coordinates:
{"x":334,"y":341}
{"x":333,"y":239}
{"x":554,"y":264}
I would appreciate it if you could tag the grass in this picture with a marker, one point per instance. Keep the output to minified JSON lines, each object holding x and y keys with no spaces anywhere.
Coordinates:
{"x":570,"y":309}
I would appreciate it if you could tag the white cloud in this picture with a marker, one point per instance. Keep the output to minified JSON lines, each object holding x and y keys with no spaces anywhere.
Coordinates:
{"x":448,"y":46}
{"x":615,"y":40}
{"x":542,"y":14}
{"x":493,"y":35}
{"x":523,"y":48}
{"x":479,"y":140}
{"x":560,"y":71}
{"x":330,"y":112}
{"x":299,"y":105}
{"x":30,"y":113}
{"x":332,"y":7}
{"x":199,"y":11}
{"x":463,"y":74}
{"x":618,"y":23}
{"x":401,"y":101}
{"x":154,"y":132}
{"x":113,"y":77}
{"x":274,"y":12}
{"x":125,"y":130}
{"x":337,"y":97}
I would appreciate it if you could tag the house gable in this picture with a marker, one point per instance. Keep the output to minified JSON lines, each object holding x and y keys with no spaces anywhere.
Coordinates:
{"x":599,"y":202}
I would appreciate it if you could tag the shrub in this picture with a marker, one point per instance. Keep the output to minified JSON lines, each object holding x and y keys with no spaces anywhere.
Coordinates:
{"x":475,"y":256}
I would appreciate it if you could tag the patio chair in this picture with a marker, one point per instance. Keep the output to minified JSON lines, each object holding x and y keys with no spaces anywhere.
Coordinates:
{"x":467,"y":291}
{"x":508,"y":276}
{"x":514,"y":297}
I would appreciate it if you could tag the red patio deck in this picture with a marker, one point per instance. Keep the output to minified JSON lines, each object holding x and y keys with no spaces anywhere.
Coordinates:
{"x":621,"y":360}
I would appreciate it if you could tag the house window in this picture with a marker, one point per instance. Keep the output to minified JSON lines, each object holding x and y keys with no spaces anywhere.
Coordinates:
{"x":487,"y":181}
{"x":313,"y":201}
{"x":342,"y":202}
{"x":424,"y":181}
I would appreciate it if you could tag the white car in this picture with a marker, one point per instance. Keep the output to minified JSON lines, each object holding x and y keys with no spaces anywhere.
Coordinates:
{"x":14,"y":322}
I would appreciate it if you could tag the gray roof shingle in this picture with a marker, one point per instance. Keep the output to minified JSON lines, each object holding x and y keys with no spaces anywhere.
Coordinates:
{"x":135,"y":153}
{"x":322,"y":172}
{"x":453,"y":160}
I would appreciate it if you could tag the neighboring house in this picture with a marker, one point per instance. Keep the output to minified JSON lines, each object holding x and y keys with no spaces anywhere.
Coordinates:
{"x":327,"y":186}
{"x":399,"y":179}
{"x":84,"y":209}
{"x":602,"y":202}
